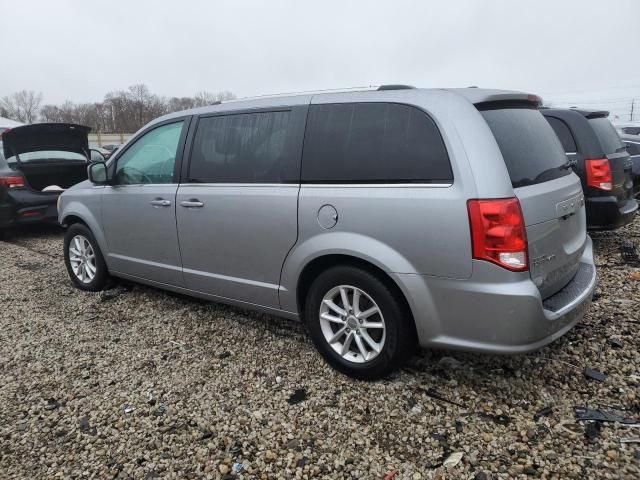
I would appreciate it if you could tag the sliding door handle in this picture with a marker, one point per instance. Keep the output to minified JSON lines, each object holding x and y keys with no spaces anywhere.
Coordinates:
{"x":193,"y":203}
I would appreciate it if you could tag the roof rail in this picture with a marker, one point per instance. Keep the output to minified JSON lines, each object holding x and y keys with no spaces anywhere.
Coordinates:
{"x":306,"y":92}
{"x":396,"y":87}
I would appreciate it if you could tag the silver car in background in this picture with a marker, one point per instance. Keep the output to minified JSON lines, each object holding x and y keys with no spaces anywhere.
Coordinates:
{"x":384,"y":219}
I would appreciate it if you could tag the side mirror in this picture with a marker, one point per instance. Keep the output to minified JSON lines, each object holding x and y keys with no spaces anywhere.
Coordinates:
{"x":97,"y":173}
{"x":97,"y":156}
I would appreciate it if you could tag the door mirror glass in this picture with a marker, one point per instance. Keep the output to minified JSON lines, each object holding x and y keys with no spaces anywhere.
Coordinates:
{"x":97,"y":173}
{"x":97,"y":155}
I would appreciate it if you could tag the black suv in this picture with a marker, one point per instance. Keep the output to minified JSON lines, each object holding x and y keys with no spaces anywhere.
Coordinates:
{"x":600,"y":159}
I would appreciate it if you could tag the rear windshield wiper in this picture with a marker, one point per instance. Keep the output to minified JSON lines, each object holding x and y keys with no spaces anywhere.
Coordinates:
{"x":567,"y":166}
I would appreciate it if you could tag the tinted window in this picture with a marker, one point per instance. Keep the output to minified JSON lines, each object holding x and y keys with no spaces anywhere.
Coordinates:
{"x":373,"y":142}
{"x":530,"y":148}
{"x":607,"y":135}
{"x":244,"y":148}
{"x":563,"y":133}
{"x":151,"y":159}
{"x":633,"y":148}
{"x":631,"y":130}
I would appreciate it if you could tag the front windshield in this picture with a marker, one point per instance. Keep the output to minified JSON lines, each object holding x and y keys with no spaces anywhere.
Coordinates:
{"x":48,"y":156}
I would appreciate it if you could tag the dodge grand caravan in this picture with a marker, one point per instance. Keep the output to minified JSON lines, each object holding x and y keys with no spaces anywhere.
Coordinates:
{"x":602,"y":162}
{"x":382,"y":219}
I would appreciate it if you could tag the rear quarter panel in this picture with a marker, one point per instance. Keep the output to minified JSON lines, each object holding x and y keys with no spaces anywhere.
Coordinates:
{"x":407,"y":229}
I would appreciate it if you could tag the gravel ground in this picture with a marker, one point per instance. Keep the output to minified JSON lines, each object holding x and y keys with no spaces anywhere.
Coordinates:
{"x":138,"y":383}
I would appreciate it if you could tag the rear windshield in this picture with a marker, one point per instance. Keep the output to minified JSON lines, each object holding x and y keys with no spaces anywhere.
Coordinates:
{"x":530,"y":148}
{"x":48,"y":156}
{"x":607,"y":135}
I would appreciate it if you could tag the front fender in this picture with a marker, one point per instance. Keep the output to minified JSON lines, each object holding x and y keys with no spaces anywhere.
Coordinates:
{"x":335,"y":243}
{"x":89,"y":212}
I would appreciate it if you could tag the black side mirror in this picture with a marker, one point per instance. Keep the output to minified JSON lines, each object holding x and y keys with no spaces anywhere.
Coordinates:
{"x":97,"y":173}
{"x":97,"y":156}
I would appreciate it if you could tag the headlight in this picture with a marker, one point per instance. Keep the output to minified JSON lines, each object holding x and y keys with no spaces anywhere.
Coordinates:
{"x":58,"y":203}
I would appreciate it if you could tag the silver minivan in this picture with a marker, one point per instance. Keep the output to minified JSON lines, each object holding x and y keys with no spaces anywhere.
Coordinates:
{"x":384,"y":219}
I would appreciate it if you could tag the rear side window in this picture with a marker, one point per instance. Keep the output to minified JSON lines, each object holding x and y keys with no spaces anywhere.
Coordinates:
{"x":530,"y":148}
{"x":373,"y":143}
{"x":607,"y":135}
{"x":244,"y":148}
{"x":564,"y":134}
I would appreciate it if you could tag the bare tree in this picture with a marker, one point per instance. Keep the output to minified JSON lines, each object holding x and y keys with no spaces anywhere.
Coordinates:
{"x":22,"y":106}
{"x":121,"y":111}
{"x":202,"y":99}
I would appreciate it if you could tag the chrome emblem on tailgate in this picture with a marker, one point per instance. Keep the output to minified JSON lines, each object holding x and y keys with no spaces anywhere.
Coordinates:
{"x":571,"y":206}
{"x":542,"y":259}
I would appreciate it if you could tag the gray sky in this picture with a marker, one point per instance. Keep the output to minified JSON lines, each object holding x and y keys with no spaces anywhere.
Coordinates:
{"x":568,"y":51}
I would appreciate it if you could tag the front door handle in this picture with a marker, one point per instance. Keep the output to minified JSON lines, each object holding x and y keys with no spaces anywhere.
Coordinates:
{"x":193,"y":203}
{"x":160,"y":202}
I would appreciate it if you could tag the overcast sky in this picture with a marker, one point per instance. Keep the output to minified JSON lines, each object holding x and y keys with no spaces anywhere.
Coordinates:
{"x":79,"y":50}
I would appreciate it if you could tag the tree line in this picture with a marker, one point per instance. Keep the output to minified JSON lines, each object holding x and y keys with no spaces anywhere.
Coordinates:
{"x":121,"y":111}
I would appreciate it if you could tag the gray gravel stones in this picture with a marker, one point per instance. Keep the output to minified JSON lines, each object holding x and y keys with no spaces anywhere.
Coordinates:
{"x":139,"y":383}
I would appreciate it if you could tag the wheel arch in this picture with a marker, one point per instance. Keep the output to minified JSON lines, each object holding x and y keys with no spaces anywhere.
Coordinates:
{"x":76,"y":212}
{"x":322,"y":263}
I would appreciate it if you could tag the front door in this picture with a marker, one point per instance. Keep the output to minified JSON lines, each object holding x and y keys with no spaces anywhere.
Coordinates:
{"x":237,"y":211}
{"x":139,"y":212}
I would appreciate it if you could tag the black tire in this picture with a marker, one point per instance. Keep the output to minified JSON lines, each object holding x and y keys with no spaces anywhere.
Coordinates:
{"x":99,"y":281}
{"x":400,"y":333}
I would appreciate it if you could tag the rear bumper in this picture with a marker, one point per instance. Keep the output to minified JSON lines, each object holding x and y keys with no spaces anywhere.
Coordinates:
{"x":488,"y":314}
{"x":603,"y":213}
{"x":22,"y":207}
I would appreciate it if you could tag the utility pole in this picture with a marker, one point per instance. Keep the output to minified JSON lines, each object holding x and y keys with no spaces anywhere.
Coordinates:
{"x":633,"y":103}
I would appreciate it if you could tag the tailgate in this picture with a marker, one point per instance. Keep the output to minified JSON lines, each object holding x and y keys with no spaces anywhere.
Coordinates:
{"x":555,"y":220}
{"x":621,"y":177}
{"x":550,"y":194}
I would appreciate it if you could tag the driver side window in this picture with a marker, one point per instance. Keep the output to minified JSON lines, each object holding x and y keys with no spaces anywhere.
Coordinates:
{"x":151,"y":158}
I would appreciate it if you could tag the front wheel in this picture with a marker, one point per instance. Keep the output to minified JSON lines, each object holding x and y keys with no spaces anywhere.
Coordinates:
{"x":83,"y":259}
{"x":360,"y":325}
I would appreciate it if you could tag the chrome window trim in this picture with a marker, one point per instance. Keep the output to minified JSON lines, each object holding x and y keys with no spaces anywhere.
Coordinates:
{"x":144,"y":185}
{"x":377,"y":185}
{"x":323,"y":185}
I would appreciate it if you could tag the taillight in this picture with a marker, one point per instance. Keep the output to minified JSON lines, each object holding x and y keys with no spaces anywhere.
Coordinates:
{"x":498,"y":234}
{"x":599,"y":174}
{"x":12,"y":182}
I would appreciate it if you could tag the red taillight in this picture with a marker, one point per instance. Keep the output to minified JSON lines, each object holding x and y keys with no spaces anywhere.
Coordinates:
{"x":12,"y":182}
{"x":498,"y":234}
{"x":599,"y":174}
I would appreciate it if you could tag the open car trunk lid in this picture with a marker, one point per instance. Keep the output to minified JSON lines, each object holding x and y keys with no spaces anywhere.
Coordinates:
{"x":66,"y":137}
{"x":550,"y":194}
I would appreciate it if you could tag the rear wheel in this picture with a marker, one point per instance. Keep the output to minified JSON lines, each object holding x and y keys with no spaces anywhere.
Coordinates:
{"x":83,"y":259}
{"x":359,"y":324}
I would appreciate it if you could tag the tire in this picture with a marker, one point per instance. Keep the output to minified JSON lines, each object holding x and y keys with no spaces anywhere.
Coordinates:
{"x":81,"y":237}
{"x":395,"y":340}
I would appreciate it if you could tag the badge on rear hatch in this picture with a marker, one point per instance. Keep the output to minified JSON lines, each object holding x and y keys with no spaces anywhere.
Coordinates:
{"x":571,"y":206}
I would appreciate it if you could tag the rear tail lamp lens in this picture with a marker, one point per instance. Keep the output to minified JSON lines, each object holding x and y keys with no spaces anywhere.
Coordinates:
{"x":599,"y":174}
{"x":12,"y":182}
{"x":498,"y":233}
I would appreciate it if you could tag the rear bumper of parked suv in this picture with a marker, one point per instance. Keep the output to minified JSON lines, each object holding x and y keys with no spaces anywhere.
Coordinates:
{"x":495,"y":312}
{"x":603,"y":213}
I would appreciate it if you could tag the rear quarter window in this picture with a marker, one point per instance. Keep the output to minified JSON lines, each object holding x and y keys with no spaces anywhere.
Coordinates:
{"x":564,"y":134}
{"x":530,"y":148}
{"x":373,"y":143}
{"x":607,"y":135}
